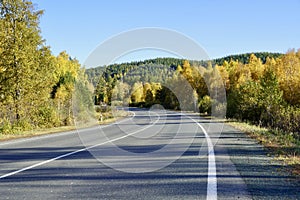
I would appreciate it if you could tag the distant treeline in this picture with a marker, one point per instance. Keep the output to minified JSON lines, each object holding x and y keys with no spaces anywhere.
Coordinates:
{"x":172,"y":63}
{"x":244,"y":58}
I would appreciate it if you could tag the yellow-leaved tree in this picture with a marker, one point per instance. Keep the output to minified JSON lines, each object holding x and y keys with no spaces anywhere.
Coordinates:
{"x":288,"y":73}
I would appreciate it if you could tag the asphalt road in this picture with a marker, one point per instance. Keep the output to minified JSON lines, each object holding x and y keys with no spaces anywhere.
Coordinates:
{"x":150,"y":155}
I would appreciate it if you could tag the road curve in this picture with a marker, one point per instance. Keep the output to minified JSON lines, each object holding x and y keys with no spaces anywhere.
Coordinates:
{"x":151,"y":155}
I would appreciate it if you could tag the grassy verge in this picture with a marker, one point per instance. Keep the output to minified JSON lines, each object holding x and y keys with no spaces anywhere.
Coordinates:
{"x":108,"y":117}
{"x":111,"y":116}
{"x":283,"y":146}
{"x":35,"y":132}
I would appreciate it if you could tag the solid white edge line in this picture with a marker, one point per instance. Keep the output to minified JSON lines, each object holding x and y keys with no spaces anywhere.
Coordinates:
{"x":212,"y":188}
{"x":74,"y":152}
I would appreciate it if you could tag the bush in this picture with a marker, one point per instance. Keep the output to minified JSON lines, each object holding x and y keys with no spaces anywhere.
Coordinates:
{"x":47,"y":117}
{"x":68,"y":121}
{"x":205,"y":105}
{"x":289,"y":121}
{"x":22,"y":125}
{"x":6,"y":127}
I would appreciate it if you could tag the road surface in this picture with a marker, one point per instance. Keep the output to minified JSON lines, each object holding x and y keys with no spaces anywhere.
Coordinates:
{"x":149,"y":155}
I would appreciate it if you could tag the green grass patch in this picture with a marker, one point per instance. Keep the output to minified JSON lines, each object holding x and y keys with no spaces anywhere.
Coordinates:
{"x":35,"y":132}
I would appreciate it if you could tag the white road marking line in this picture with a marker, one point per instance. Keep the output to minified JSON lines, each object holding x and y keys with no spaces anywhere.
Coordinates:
{"x":212,"y":171}
{"x":74,"y":152}
{"x":38,"y":137}
{"x":41,"y":163}
{"x":212,"y":190}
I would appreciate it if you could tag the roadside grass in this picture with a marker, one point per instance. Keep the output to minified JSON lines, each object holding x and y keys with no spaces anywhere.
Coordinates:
{"x":108,"y":117}
{"x":35,"y":132}
{"x":282,"y":146}
{"x":111,"y":116}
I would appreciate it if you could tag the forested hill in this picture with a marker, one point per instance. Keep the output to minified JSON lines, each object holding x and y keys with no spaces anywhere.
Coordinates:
{"x":160,"y":65}
{"x":244,"y":58}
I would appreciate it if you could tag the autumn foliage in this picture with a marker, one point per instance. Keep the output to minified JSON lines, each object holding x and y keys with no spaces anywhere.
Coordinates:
{"x":35,"y":86}
{"x":265,"y":93}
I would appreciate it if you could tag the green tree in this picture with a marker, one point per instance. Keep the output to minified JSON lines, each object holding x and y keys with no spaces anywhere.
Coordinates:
{"x":120,"y":94}
{"x":271,"y":100}
{"x":101,"y":92}
{"x":67,"y":70}
{"x":23,"y":60}
{"x":167,"y":98}
{"x":82,"y":103}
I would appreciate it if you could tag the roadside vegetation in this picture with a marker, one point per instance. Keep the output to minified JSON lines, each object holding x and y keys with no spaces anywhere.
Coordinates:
{"x":107,"y":114}
{"x":36,"y":87}
{"x":282,"y":146}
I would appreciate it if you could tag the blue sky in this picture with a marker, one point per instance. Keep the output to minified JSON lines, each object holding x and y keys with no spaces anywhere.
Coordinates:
{"x":220,"y":27}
